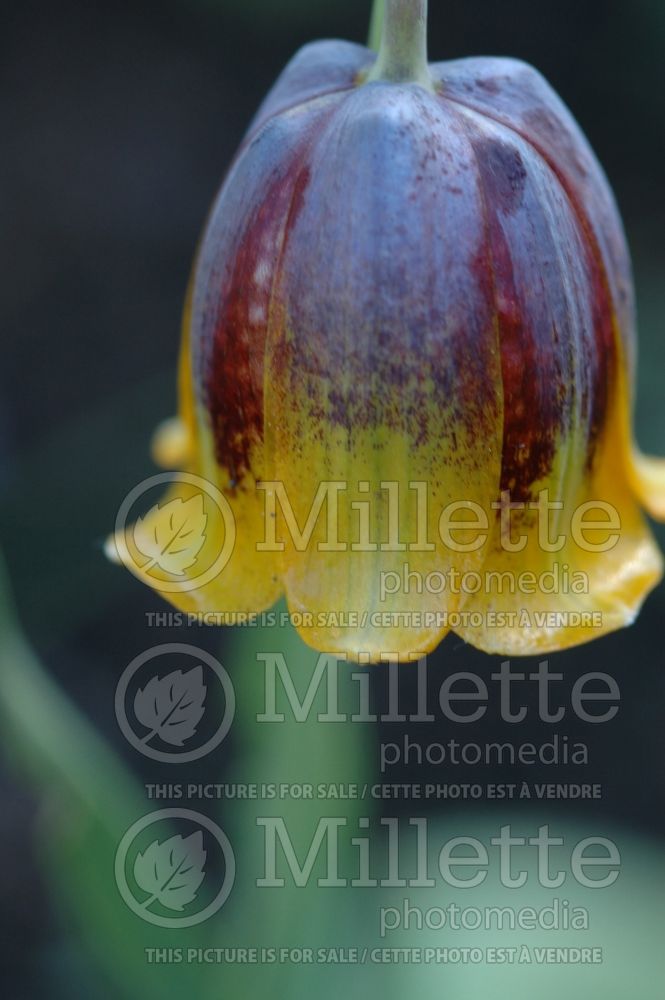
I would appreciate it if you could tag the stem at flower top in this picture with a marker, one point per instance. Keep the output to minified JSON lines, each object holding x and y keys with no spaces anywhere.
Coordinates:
{"x":403,"y":51}
{"x":376,"y":25}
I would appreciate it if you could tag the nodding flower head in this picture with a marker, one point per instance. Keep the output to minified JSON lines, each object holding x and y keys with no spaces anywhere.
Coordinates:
{"x":408,"y":365}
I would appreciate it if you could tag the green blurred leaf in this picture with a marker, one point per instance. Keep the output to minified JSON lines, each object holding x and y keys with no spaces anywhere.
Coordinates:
{"x":88,"y":800}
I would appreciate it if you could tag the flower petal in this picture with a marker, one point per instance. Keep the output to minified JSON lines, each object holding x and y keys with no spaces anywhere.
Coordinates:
{"x":589,"y":592}
{"x":380,"y":371}
{"x":648,"y":479}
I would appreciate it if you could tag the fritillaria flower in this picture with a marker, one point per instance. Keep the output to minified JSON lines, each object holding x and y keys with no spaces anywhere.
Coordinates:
{"x":408,"y":366}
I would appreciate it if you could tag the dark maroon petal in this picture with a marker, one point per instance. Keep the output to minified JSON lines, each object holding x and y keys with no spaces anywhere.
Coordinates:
{"x":517,"y":95}
{"x":553,"y":311}
{"x":234,"y":279}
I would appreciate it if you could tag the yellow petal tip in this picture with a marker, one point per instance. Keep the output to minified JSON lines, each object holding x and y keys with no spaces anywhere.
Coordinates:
{"x":171,"y":444}
{"x":111,"y":551}
{"x":649,"y":476}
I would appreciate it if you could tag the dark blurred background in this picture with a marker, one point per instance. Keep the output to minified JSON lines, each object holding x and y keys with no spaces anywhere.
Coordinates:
{"x":118,"y":121}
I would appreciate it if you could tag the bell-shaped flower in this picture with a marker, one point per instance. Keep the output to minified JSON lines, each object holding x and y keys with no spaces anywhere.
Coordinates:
{"x":408,"y":367}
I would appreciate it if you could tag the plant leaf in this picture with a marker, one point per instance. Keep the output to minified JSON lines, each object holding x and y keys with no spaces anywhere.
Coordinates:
{"x":172,"y":535}
{"x":172,"y":872}
{"x":171,"y":707}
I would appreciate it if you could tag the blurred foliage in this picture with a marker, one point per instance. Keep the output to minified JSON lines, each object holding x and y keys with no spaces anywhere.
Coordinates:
{"x":87,"y":802}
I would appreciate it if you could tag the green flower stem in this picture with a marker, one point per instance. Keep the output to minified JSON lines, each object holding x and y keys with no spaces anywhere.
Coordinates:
{"x":403,"y":50}
{"x":376,"y":24}
{"x":297,"y":753}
